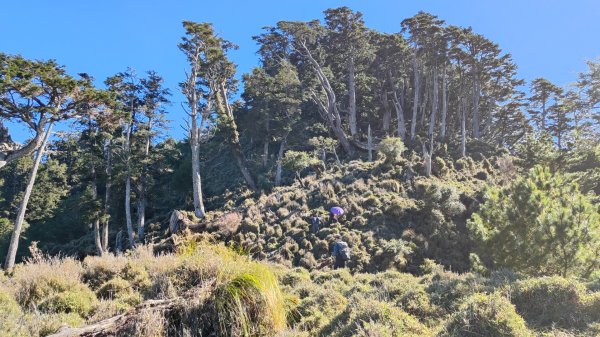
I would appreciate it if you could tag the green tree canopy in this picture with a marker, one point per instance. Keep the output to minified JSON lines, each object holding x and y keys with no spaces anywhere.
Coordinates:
{"x":540,"y":225}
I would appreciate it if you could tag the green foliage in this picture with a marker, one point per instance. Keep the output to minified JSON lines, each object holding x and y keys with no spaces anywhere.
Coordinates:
{"x":486,"y":315}
{"x":536,"y":149}
{"x":391,"y":148}
{"x":540,"y":225}
{"x":79,"y":300}
{"x":297,"y":161}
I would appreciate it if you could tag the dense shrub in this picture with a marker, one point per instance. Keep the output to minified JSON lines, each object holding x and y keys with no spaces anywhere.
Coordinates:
{"x":368,"y":317}
{"x":391,"y":148}
{"x":539,"y":225}
{"x":10,"y":314}
{"x":79,"y":300}
{"x":486,"y":315}
{"x":550,"y":301}
{"x":101,"y":269}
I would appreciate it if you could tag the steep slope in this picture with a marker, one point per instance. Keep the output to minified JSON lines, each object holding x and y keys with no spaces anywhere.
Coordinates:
{"x":395,"y":217}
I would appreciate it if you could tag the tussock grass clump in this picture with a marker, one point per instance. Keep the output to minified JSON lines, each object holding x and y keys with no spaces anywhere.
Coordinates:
{"x":550,"y":301}
{"x":405,"y":291}
{"x":486,"y":315}
{"x":368,"y":317}
{"x":250,"y":303}
{"x":318,"y":306}
{"x":447,"y":289}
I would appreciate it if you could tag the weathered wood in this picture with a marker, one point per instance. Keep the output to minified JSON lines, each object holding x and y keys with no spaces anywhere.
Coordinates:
{"x":370,"y":143}
{"x":279,"y":169}
{"x":108,"y":185}
{"x":111,"y":326}
{"x":178,"y":222}
{"x":444,"y":104}
{"x":329,"y":108}
{"x":352,"y":114}
{"x":9,"y":151}
{"x":416,"y":89}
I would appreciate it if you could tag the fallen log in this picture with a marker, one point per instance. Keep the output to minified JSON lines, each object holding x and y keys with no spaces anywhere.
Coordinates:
{"x":112,"y":326}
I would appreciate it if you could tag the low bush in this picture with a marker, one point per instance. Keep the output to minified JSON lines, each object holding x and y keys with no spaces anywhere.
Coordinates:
{"x":368,"y":317}
{"x":486,"y":315}
{"x":79,"y":300}
{"x":550,"y":301}
{"x":10,"y":314}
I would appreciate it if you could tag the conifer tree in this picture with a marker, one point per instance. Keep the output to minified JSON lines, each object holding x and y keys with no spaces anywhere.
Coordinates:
{"x":540,"y":225}
{"x":38,"y":93}
{"x":544,"y":97}
{"x":347,"y":42}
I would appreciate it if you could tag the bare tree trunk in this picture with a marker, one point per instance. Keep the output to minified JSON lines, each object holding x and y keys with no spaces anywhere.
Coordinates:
{"x":127,"y":146}
{"x":96,"y":223}
{"x":234,"y":137}
{"x":387,"y":113}
{"x":337,"y":159}
{"x":266,"y":144}
{"x":370,"y":143}
{"x":463,"y":128}
{"x":108,"y":156}
{"x":16,"y":234}
{"x":119,"y":242}
{"x":425,"y":101}
{"x":400,"y":116}
{"x":476,"y":117}
{"x":416,"y":89}
{"x":196,"y":180}
{"x":427,"y":159}
{"x":279,"y":168}
{"x":329,"y":108}
{"x":352,"y":97}
{"x":434,"y":108}
{"x":141,"y":211}
{"x":141,"y":201}
{"x":19,"y":152}
{"x":130,"y":232}
{"x":444,"y":105}
{"x":189,"y":90}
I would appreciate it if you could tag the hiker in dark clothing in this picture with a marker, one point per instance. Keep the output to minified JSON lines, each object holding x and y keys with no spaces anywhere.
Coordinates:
{"x":315,"y":222}
{"x":341,"y":253}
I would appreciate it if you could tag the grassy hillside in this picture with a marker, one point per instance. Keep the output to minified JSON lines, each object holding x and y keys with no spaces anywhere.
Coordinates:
{"x":395,"y":217}
{"x":204,"y":289}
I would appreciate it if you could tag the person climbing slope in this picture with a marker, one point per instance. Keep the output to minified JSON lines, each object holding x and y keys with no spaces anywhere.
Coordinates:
{"x":341,"y":253}
{"x":315,"y":222}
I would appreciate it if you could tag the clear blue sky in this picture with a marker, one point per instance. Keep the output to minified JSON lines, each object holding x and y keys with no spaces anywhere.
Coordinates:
{"x":547,"y":38}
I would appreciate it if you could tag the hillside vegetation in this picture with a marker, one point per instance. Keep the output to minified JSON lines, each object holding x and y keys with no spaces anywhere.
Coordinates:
{"x":471,"y":207}
{"x":207,"y":289}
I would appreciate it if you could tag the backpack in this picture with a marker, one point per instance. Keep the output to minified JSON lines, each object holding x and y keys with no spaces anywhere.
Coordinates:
{"x":344,"y":250}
